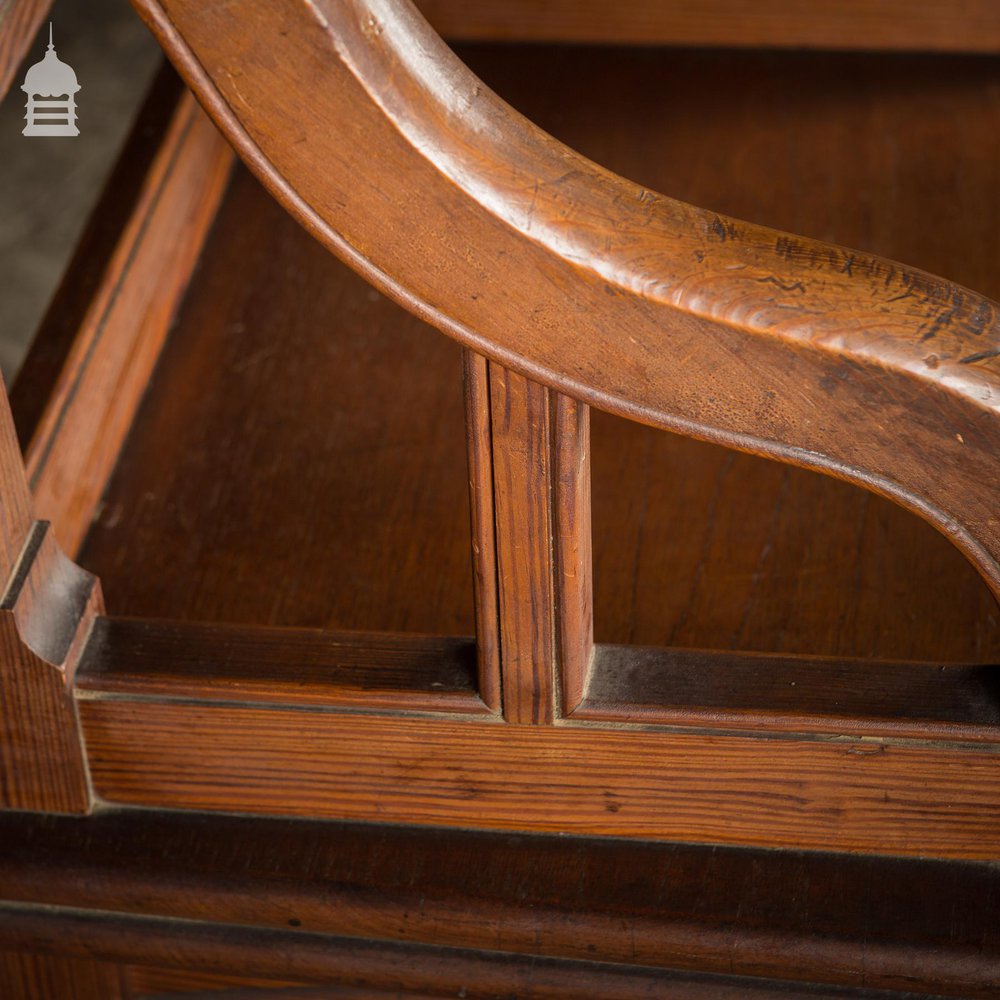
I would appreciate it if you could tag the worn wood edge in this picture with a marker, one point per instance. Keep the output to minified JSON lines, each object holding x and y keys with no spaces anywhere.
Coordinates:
{"x":811,"y":793}
{"x":884,"y":25}
{"x":375,"y":964}
{"x":185,"y":661}
{"x":645,"y":686}
{"x":369,"y":36}
{"x":606,"y":900}
{"x":79,"y":434}
{"x":479,"y":449}
{"x":19,"y":24}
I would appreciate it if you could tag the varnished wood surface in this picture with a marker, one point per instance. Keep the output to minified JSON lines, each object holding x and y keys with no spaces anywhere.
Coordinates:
{"x":522,"y":481}
{"x":189,"y":661}
{"x":924,"y":25}
{"x":76,"y":441}
{"x":479,"y":438}
{"x":299,"y":457}
{"x":744,"y":335}
{"x":694,"y":545}
{"x":799,"y":791}
{"x":792,"y":693}
{"x":27,"y":976}
{"x":390,"y":970}
{"x":928,"y":927}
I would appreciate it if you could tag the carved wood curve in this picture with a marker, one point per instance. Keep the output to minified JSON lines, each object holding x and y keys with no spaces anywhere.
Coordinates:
{"x":378,"y":139}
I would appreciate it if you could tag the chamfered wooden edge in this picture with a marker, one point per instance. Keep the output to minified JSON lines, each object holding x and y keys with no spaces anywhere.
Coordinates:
{"x":75,"y":442}
{"x":565,"y":273}
{"x":194,"y":661}
{"x":726,"y":691}
{"x":918,"y":25}
{"x":885,"y":923}
{"x":19,"y":23}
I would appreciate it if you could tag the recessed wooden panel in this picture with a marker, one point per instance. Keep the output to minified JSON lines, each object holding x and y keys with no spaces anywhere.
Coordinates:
{"x":299,"y":458}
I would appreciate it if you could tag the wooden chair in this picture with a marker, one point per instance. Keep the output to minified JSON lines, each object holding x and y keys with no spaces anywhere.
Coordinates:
{"x":330,"y":741}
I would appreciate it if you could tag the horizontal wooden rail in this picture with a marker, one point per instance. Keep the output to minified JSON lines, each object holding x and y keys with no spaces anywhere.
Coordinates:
{"x":411,"y":170}
{"x":767,"y":914}
{"x":920,"y":25}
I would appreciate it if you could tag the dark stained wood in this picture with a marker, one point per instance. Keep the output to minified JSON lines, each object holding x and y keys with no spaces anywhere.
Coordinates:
{"x":925,"y":25}
{"x":389,"y":970}
{"x":808,"y":792}
{"x":734,"y":332}
{"x":905,"y":924}
{"x":280,"y":383}
{"x":78,"y":436}
{"x":279,"y":666}
{"x":483,"y":526}
{"x":26,"y":976}
{"x":792,"y":693}
{"x":522,"y":496}
{"x":19,"y":23}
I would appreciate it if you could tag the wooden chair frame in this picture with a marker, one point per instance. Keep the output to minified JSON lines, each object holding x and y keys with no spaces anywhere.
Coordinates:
{"x":568,"y":287}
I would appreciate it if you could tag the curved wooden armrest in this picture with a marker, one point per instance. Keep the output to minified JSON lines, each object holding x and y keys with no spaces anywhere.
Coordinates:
{"x":380,"y":141}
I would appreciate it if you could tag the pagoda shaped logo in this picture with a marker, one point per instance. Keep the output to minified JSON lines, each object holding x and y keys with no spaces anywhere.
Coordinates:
{"x":51,"y":86}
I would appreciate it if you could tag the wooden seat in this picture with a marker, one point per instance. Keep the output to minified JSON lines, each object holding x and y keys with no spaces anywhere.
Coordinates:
{"x":641,"y":643}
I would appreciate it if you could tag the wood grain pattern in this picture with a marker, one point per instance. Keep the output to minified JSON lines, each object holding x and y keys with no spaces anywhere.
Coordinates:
{"x":45,"y":615}
{"x":190,"y":661}
{"x":924,"y":25}
{"x":78,"y":437}
{"x":573,"y":544}
{"x":802,"y":792}
{"x":46,"y":610}
{"x":735,"y":331}
{"x":25,"y":976}
{"x":694,"y":546}
{"x":377,"y":471}
{"x":396,"y":969}
{"x":929,"y":926}
{"x":479,"y":437}
{"x":19,"y":23}
{"x":522,"y":487}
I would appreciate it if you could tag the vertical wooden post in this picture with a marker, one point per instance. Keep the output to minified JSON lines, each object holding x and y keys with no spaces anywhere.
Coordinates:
{"x":46,"y":608}
{"x":574,"y":548}
{"x":522,"y":483}
{"x":484,"y":554}
{"x":541,"y":498}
